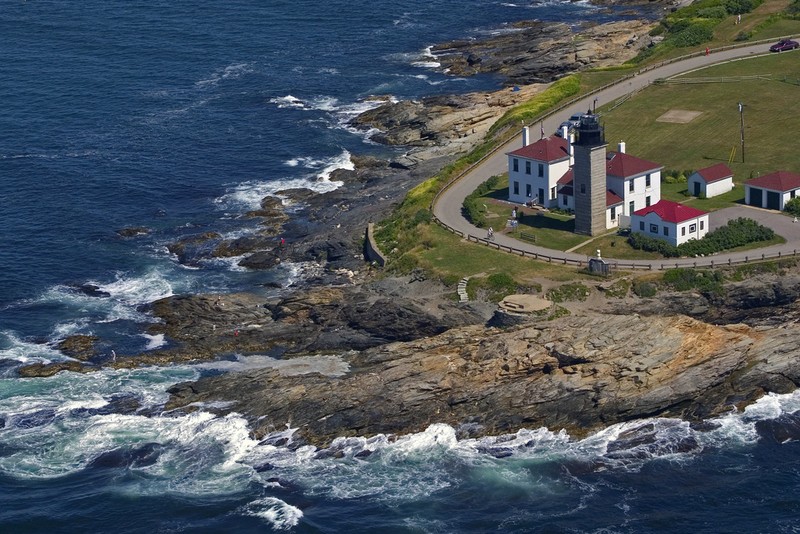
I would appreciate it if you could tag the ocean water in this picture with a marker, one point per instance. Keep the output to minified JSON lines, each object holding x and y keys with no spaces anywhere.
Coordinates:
{"x":180,"y":117}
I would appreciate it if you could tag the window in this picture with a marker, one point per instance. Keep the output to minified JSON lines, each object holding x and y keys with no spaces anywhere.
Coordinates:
{"x":647,"y":182}
{"x":683,"y":230}
{"x":515,"y":165}
{"x":564,"y":200}
{"x":702,"y":224}
{"x":552,"y":193}
{"x":641,"y":226}
{"x":630,"y":186}
{"x":583,"y":189}
{"x":527,"y":167}
{"x":516,"y":188}
{"x":653,"y":228}
{"x":666,"y":230}
{"x":528,"y":190}
{"x":631,"y":208}
{"x":541,"y":169}
{"x":613,"y":213}
{"x":692,"y":228}
{"x":792,"y":194}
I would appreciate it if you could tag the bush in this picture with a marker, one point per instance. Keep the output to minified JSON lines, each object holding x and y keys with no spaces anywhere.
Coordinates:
{"x":694,"y":34}
{"x":737,"y":7}
{"x":689,"y":279}
{"x":473,"y":208}
{"x":569,"y":292}
{"x":716,"y":12}
{"x":736,"y":233}
{"x":793,"y":206}
{"x":644,"y":289}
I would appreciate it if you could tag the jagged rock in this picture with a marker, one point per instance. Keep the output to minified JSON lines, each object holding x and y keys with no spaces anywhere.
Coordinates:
{"x":193,"y":248}
{"x":90,"y":290}
{"x":619,"y":368}
{"x":133,"y":231}
{"x":81,"y":347}
{"x":42,"y":370}
{"x":265,"y":259}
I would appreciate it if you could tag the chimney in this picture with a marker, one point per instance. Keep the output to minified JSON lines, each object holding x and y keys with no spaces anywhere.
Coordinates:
{"x":621,"y":147}
{"x":565,"y":132}
{"x":526,"y":135}
{"x":570,"y":149}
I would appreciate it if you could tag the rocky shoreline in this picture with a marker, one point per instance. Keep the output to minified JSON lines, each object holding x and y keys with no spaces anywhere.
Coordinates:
{"x":363,"y":354}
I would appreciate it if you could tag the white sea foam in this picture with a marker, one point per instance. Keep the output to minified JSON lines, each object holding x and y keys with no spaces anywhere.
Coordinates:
{"x":154,"y":341}
{"x":287,"y":101}
{"x":231,"y":72}
{"x":278,"y":514}
{"x":248,"y":195}
{"x":426,"y":64}
{"x":24,"y":351}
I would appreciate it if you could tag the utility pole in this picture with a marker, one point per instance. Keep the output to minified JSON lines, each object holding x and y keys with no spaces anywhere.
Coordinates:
{"x":741,"y":122}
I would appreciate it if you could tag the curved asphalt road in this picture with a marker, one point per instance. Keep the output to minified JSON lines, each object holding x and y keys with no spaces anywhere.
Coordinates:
{"x":447,"y":207}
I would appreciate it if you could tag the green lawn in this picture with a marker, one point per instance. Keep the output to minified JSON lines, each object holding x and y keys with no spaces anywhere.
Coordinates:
{"x":445,"y":253}
{"x":711,"y":137}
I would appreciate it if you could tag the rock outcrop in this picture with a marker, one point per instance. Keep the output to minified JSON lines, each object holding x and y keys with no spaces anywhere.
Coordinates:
{"x":577,"y":373}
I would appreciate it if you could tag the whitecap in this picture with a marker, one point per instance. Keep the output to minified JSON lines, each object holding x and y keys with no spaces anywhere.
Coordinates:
{"x":287,"y":101}
{"x":24,"y":351}
{"x":232,"y":71}
{"x":277,"y":513}
{"x":248,"y":195}
{"x":154,"y":341}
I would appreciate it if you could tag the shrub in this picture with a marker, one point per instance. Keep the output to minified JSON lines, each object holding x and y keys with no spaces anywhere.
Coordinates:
{"x":716,"y":12}
{"x":694,"y":34}
{"x":699,"y":279}
{"x":644,"y":289}
{"x":736,"y":233}
{"x":473,"y":208}
{"x":569,"y":292}
{"x":793,"y":206}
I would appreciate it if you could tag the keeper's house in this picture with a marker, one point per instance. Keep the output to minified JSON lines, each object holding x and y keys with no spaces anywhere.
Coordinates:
{"x":534,"y":170}
{"x":671,"y":222}
{"x":711,"y":181}
{"x":772,"y":191}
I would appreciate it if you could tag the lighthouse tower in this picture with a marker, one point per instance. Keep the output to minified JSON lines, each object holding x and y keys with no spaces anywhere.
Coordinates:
{"x":590,"y":177}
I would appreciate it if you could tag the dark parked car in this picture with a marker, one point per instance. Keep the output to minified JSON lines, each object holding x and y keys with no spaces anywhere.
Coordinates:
{"x":573,"y":122}
{"x":784,"y":44}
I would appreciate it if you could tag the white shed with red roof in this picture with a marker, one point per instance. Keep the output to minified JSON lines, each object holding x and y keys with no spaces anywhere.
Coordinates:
{"x":711,"y":181}
{"x":671,"y":222}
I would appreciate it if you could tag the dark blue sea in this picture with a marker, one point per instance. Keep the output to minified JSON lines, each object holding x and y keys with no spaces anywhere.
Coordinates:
{"x":181,"y":116}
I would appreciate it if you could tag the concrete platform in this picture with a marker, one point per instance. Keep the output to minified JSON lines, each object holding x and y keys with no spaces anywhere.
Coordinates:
{"x":524,"y":304}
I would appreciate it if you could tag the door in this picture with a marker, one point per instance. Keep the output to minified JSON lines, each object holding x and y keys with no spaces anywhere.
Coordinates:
{"x":773,"y":200}
{"x":755,"y":196}
{"x":697,"y":189}
{"x":542,"y":199}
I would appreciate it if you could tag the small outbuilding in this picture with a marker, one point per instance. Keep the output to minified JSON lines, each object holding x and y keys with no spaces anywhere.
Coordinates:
{"x":671,"y":222}
{"x":711,"y":181}
{"x":772,"y":191}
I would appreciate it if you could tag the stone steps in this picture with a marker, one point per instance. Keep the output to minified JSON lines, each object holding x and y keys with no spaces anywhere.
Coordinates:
{"x":462,"y":290}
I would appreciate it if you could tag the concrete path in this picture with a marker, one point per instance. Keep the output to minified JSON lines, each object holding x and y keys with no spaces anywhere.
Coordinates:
{"x":447,"y":206}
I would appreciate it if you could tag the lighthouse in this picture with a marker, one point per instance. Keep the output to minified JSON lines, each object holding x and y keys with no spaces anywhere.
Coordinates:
{"x":590,"y":177}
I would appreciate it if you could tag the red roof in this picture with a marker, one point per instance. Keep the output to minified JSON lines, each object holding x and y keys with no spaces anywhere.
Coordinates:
{"x":547,"y":149}
{"x":612,"y":199}
{"x":669,"y":211}
{"x":777,"y":181}
{"x":624,"y":165}
{"x":715,"y":173}
{"x":567,"y":178}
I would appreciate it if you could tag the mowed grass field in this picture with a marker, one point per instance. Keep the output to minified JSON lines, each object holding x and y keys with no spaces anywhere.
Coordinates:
{"x":771,"y":122}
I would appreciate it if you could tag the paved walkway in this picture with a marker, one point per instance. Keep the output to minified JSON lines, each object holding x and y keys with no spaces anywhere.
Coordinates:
{"x":447,"y":207}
